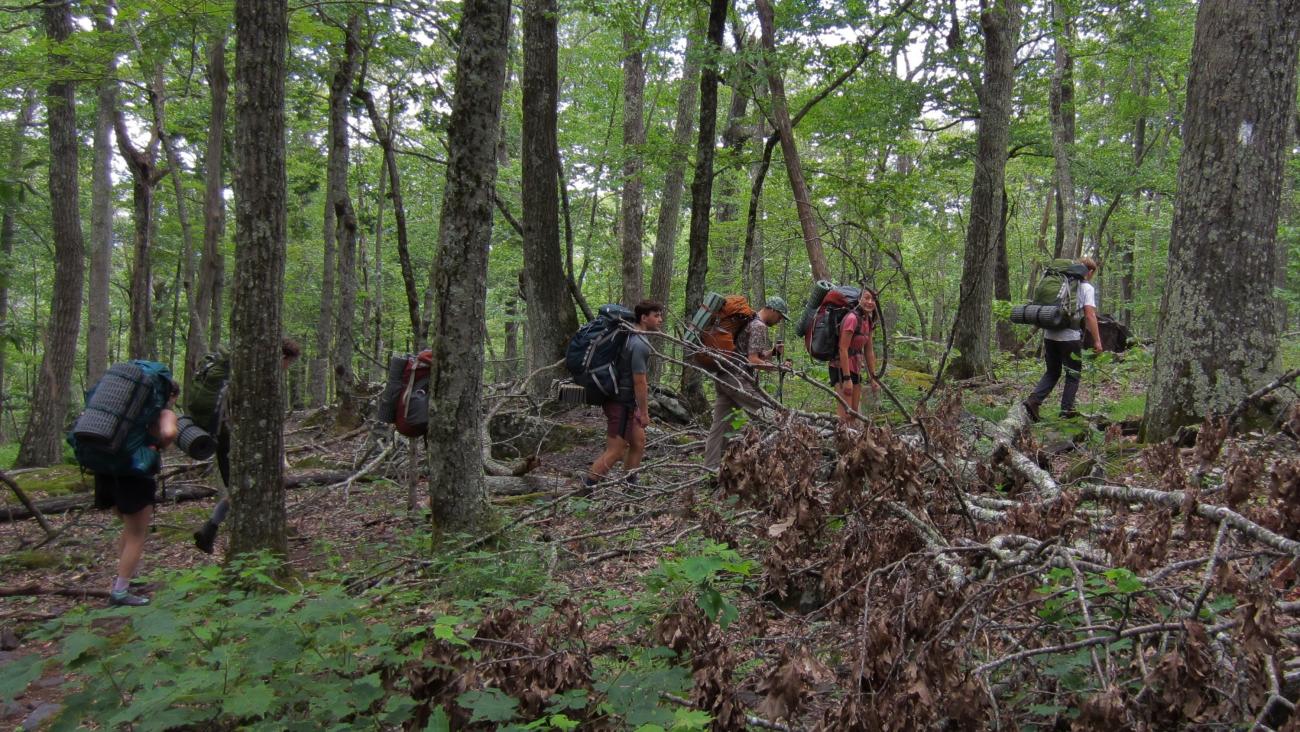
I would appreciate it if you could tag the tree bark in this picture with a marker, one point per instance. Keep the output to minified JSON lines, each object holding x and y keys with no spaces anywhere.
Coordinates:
{"x":1218,"y":330}
{"x":1061,"y":104}
{"x":1000,"y":24}
{"x":633,"y":229}
{"x":42,"y":442}
{"x":260,"y":179}
{"x":319,"y":366}
{"x":384,"y":132}
{"x":1006,"y":335}
{"x":457,"y":491}
{"x":101,"y":213}
{"x":735,"y":134}
{"x":551,"y":320}
{"x":7,"y":226}
{"x":789,"y":150}
{"x":214,"y":208}
{"x":670,"y":202}
{"x":145,"y":176}
{"x":697,"y":267}
{"x":345,"y":226}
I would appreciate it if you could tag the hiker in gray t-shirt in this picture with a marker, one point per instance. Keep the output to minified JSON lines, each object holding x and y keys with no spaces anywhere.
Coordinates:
{"x":628,"y":413}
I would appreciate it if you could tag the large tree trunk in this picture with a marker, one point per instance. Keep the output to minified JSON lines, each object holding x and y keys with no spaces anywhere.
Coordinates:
{"x":101,"y":214}
{"x":7,"y":225}
{"x":551,"y":320}
{"x":43,"y":439}
{"x":789,"y":151}
{"x":345,"y":226}
{"x":145,"y":176}
{"x":214,"y":208}
{"x":697,"y":267}
{"x":384,"y":132}
{"x":633,"y":229}
{"x":1061,"y":105}
{"x":256,"y":384}
{"x":1217,"y":338}
{"x":1000,"y":24}
{"x":457,"y":492}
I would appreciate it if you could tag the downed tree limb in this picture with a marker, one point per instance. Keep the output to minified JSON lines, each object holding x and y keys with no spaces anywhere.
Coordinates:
{"x":27,"y":503}
{"x":1235,"y":416}
{"x":35,"y":589}
{"x":510,"y":485}
{"x":64,"y":504}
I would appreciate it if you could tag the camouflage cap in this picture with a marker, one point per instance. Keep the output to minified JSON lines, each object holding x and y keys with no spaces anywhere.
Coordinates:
{"x":778,"y":304}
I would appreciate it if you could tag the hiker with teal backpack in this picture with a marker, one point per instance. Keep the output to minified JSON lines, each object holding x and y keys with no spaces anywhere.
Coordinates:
{"x":119,"y":438}
{"x":205,"y":403}
{"x":1063,"y":338}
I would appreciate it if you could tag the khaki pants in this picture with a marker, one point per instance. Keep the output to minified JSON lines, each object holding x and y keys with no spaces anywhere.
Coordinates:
{"x":732,"y":396}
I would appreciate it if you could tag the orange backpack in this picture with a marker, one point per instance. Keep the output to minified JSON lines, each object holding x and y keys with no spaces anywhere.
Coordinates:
{"x":723,"y":328}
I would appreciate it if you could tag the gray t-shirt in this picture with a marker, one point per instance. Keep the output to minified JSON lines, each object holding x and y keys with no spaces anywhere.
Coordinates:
{"x":635,"y":359}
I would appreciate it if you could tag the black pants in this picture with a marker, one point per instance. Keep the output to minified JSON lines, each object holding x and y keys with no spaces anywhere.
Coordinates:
{"x":1057,"y":354}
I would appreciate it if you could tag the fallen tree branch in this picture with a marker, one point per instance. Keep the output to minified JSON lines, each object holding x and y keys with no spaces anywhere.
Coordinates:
{"x":1235,"y":415}
{"x":27,"y":503}
{"x":34,"y":589}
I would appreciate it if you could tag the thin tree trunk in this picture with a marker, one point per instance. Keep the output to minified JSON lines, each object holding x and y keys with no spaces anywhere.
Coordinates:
{"x":457,"y":491}
{"x":697,"y":268}
{"x":345,"y":227}
{"x":633,"y":228}
{"x":7,"y":226}
{"x":1061,"y":105}
{"x":319,"y":386}
{"x":1006,"y":335}
{"x":789,"y":150}
{"x":729,"y":248}
{"x":1218,"y":334}
{"x":145,"y":176}
{"x":551,"y":320}
{"x":202,"y":316}
{"x":377,"y":276}
{"x":260,"y":183}
{"x":42,"y":442}
{"x":383,"y":131}
{"x":999,"y":24}
{"x":101,"y":213}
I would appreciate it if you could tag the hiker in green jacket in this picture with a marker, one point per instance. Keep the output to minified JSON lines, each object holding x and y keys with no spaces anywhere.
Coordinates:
{"x":206,"y":535}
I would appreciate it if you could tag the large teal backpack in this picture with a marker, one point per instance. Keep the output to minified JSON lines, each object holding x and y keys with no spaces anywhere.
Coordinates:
{"x":111,"y":435}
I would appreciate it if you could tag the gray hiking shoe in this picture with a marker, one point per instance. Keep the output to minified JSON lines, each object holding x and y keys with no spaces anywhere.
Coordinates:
{"x":126,"y":599}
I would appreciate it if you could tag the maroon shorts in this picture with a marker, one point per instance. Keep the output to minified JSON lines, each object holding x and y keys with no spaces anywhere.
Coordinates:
{"x":619,"y":417}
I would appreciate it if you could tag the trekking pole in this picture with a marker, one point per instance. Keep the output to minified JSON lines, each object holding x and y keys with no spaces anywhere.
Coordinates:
{"x":780,"y":373}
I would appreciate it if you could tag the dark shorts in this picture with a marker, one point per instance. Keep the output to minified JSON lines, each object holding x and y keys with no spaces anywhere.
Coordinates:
{"x":127,"y":494}
{"x":618,"y":418}
{"x":837,"y":376}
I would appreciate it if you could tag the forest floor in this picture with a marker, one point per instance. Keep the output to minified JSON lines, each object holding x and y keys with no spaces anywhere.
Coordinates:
{"x":971,"y":577}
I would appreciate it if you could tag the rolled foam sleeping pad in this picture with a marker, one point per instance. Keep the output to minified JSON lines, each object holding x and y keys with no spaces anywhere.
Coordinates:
{"x":386,"y":412}
{"x":118,"y":399}
{"x":193,"y":440}
{"x":814,"y":301}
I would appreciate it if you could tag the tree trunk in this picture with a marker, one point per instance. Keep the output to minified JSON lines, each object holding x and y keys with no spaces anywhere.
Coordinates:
{"x":101,"y":214}
{"x":145,"y":176}
{"x":345,"y":226}
{"x":1218,"y":332}
{"x":697,"y":267}
{"x":789,"y":151}
{"x":42,"y":442}
{"x":377,"y":279}
{"x":384,"y":132}
{"x":7,"y":225}
{"x":1006,"y":335}
{"x":633,"y":143}
{"x":1061,"y":105}
{"x":214,"y":209}
{"x":734,"y":136}
{"x":1000,"y":24}
{"x":457,"y":491}
{"x":670,"y":203}
{"x":319,"y":386}
{"x":551,"y":320}
{"x":1128,"y":270}
{"x":260,"y":180}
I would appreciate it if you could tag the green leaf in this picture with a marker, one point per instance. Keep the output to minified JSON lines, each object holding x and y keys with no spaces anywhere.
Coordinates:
{"x":489,"y":705}
{"x":17,"y":674}
{"x":438,"y":721}
{"x":398,"y":709}
{"x":573,"y":699}
{"x":561,"y":722}
{"x":79,"y":644}
{"x":688,"y":719}
{"x":249,"y":702}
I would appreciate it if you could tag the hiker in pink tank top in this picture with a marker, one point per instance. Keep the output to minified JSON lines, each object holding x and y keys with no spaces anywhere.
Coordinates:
{"x":855,"y":352}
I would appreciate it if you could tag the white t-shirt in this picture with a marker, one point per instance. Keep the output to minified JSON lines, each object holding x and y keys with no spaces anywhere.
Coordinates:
{"x":1087,"y":297}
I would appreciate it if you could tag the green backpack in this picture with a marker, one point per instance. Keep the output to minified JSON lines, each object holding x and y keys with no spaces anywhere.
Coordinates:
{"x":1059,"y":286}
{"x":206,"y":388}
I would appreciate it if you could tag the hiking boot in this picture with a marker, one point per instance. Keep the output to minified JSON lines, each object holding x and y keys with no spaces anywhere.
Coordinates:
{"x":1069,"y":413}
{"x":588,"y":485}
{"x":1031,"y":408}
{"x":126,"y":599}
{"x":205,"y":537}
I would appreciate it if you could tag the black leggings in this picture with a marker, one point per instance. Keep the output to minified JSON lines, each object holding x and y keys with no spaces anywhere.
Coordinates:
{"x":1058,"y":355}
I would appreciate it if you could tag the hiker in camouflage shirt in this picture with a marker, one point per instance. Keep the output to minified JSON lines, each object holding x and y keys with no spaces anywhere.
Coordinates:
{"x":736,"y":384}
